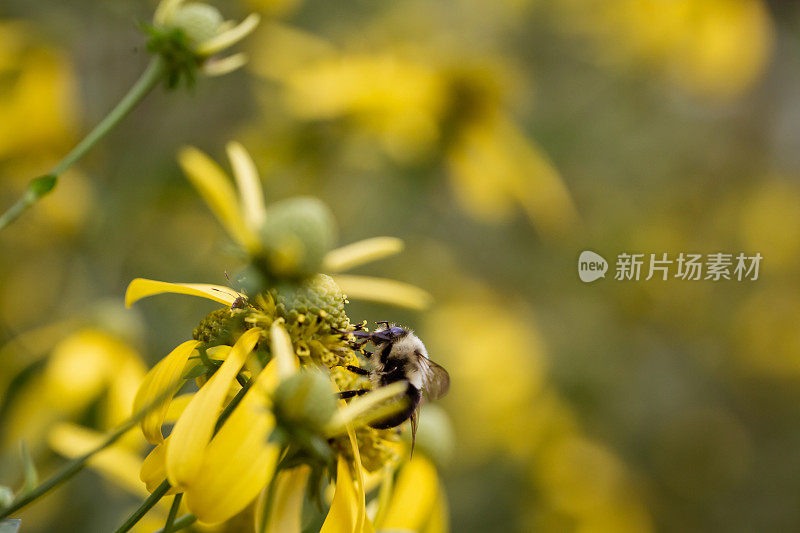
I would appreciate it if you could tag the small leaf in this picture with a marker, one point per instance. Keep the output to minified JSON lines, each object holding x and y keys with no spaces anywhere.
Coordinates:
{"x":196,"y":371}
{"x":42,"y":185}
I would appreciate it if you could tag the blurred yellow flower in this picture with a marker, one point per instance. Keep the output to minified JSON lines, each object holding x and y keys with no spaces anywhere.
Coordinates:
{"x":712,"y":48}
{"x":37,"y":97}
{"x":451,"y":109}
{"x":502,"y":355}
{"x":87,"y":366}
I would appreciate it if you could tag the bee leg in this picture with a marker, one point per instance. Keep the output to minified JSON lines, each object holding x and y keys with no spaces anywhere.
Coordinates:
{"x":367,"y":354}
{"x":358,"y":370}
{"x":354,"y":332}
{"x":350,"y":393}
{"x":384,"y":322}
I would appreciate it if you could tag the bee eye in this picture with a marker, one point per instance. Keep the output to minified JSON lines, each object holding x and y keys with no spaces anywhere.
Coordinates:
{"x":396,"y":331}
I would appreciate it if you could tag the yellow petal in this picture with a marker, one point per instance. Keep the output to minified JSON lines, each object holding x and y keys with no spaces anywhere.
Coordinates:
{"x":385,"y":493}
{"x":142,"y":288}
{"x":414,"y":496}
{"x":440,"y":518}
{"x":251,"y":195}
{"x":177,"y":406}
{"x":116,"y":462}
{"x":240,"y":461}
{"x":154,"y":469}
{"x":286,"y":511}
{"x":282,"y":350}
{"x":230,"y":37}
{"x":125,"y":381}
{"x":343,"y":514}
{"x":160,"y":384}
{"x":382,"y":290}
{"x":365,"y":404}
{"x":194,"y":428}
{"x":218,"y":192}
{"x":221,"y":66}
{"x":361,"y":252}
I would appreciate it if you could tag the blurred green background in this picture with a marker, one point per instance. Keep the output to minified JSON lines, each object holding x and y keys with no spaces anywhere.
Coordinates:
{"x":499,"y":140}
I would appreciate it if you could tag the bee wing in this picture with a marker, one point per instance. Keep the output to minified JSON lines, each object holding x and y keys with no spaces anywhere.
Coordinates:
{"x":436,"y":380}
{"x":414,"y":424}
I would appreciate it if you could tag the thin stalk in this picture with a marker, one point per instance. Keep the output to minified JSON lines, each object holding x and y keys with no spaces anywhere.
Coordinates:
{"x":151,"y":500}
{"x":41,"y":186}
{"x":232,"y":405}
{"x":76,"y":465}
{"x":182,"y":522}
{"x":169,"y":526}
{"x":70,"y":469}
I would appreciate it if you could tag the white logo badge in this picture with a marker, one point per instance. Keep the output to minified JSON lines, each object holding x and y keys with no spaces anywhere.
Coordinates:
{"x":591,"y":266}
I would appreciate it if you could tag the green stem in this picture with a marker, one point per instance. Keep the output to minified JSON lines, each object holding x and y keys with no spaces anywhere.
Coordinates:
{"x":182,"y":522}
{"x":151,"y":500}
{"x":68,"y":470}
{"x":232,"y":405}
{"x":41,"y":186}
{"x":76,"y":465}
{"x":169,"y":527}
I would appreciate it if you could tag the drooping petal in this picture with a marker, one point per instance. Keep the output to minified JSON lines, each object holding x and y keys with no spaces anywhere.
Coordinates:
{"x":282,"y":350}
{"x":159,"y":385}
{"x":154,"y":468}
{"x":193,"y":430}
{"x":286,"y":508}
{"x":177,"y":406}
{"x":142,"y":288}
{"x":413,"y":497}
{"x":251,"y":195}
{"x":218,"y":192}
{"x":383,"y":290}
{"x":385,"y":493}
{"x":361,"y":252}
{"x":362,"y":405}
{"x":116,"y":461}
{"x":240,"y":460}
{"x":230,"y":37}
{"x":343,"y":514}
{"x":224,"y":65}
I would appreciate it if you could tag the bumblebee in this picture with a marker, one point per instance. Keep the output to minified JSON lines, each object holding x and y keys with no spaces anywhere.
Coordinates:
{"x":399,"y":356}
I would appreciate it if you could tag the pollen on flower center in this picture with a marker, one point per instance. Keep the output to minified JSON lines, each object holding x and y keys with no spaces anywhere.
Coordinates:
{"x":312,"y":313}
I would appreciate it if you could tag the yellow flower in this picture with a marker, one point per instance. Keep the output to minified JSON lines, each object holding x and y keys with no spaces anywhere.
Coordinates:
{"x":87,"y":365}
{"x":37,"y":100}
{"x":221,"y":468}
{"x":712,"y":48}
{"x":242,"y":212}
{"x":451,"y":109}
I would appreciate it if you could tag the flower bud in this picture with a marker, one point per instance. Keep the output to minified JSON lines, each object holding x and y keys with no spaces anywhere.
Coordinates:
{"x":199,"y":22}
{"x":303,"y":404}
{"x":296,"y":235}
